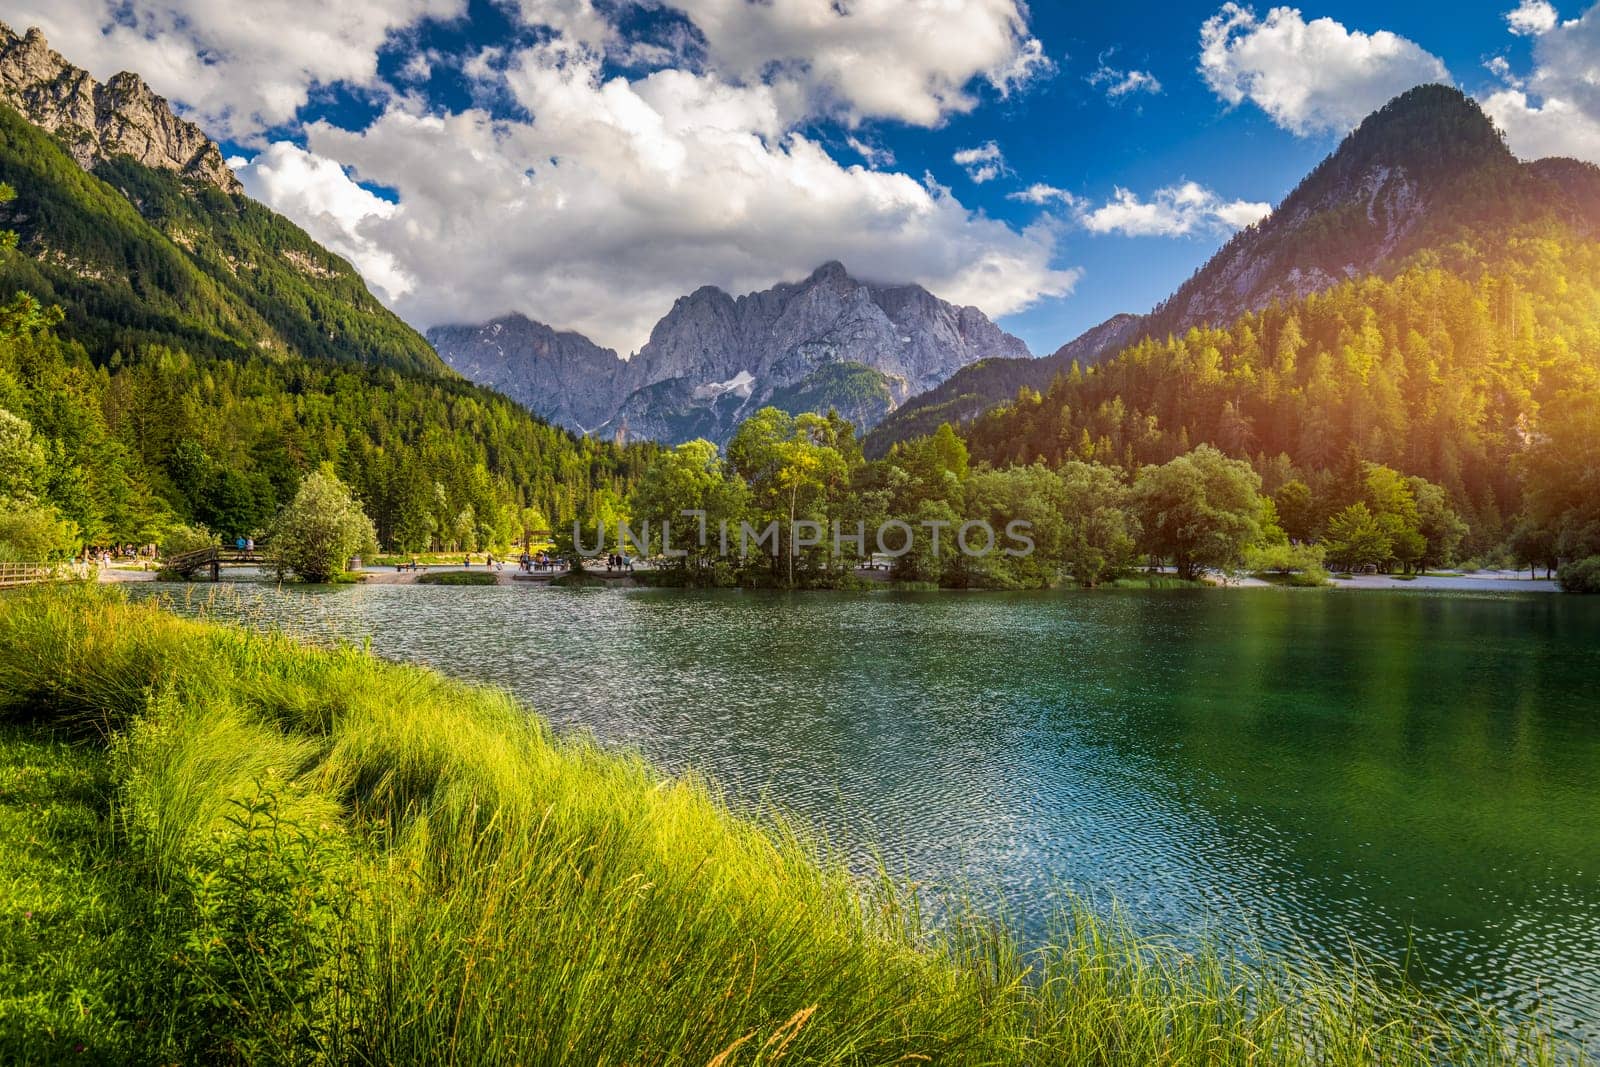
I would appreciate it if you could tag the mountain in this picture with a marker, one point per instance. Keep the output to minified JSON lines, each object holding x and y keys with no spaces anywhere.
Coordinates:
{"x":96,"y":122}
{"x":557,"y":375}
{"x":212,"y":354}
{"x":830,"y":341}
{"x":129,"y":219}
{"x":1426,"y":174}
{"x":976,"y":388}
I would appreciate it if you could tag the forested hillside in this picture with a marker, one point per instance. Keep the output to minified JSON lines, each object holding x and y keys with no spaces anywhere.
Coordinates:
{"x":174,"y":354}
{"x":1427,"y":179}
{"x":139,"y":256}
{"x":1481,"y":381}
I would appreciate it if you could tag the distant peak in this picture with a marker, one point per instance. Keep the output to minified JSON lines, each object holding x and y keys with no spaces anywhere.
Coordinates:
{"x":831,"y":271}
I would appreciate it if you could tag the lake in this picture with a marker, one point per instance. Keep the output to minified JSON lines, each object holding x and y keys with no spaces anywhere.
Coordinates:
{"x":1416,"y":775}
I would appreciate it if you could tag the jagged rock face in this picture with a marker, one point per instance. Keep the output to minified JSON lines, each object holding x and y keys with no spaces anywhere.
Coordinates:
{"x":563,"y":377}
{"x":121,"y":117}
{"x":714,"y":359}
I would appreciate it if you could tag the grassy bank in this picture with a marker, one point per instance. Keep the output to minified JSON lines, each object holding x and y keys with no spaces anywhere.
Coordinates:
{"x":222,"y":845}
{"x":483,"y":577}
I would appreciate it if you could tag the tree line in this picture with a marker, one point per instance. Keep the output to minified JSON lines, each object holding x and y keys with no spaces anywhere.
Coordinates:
{"x":1085,"y":522}
{"x":1485,"y":386}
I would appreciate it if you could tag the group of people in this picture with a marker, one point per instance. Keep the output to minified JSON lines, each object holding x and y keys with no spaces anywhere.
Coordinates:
{"x":537,"y":561}
{"x":618,"y":561}
{"x":104,"y":554}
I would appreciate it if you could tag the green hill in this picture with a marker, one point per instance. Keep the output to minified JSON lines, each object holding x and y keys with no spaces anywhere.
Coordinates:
{"x":207,"y":354}
{"x":141,"y":256}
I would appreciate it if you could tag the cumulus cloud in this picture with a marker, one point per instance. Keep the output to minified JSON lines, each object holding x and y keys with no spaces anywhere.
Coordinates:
{"x":1555,"y":110}
{"x":331,"y":207}
{"x":1174,"y":211}
{"x":1500,"y":67}
{"x":238,"y":69}
{"x":983,"y":163}
{"x":911,"y":60}
{"x":1119,"y":83}
{"x":1309,"y":77}
{"x":1042,"y":195}
{"x":1531,"y":18}
{"x":1554,"y":127}
{"x":874,"y":155}
{"x":618,"y":196}
{"x":584,"y":197}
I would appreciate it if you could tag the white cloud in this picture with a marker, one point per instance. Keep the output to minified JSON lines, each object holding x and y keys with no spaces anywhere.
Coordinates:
{"x":1555,"y":129}
{"x":1555,"y":110}
{"x":618,"y":196}
{"x":605,"y":197}
{"x":1531,"y":18}
{"x":983,"y":163}
{"x":237,"y":68}
{"x":1042,"y":194}
{"x":1500,"y":67}
{"x":1120,"y":83}
{"x":874,"y":155}
{"x":911,"y":60}
{"x":1174,"y":211}
{"x":331,"y":207}
{"x":1310,"y":77}
{"x":576,"y":20}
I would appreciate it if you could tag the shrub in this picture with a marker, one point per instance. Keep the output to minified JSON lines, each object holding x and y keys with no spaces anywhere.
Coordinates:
{"x":34,"y":535}
{"x":1299,"y":565}
{"x":1582,"y":576}
{"x":181,"y":539}
{"x":320,"y":530}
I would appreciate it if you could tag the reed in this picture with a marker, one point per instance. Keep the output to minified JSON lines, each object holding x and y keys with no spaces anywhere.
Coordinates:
{"x":282,"y":854}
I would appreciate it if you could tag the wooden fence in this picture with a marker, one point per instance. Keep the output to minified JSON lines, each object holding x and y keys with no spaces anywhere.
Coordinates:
{"x":15,"y":574}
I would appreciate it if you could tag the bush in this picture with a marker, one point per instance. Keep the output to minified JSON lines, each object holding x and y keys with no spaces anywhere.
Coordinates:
{"x":35,"y":535}
{"x":1299,"y":565}
{"x":181,"y":539}
{"x":1582,"y":576}
{"x":320,"y":530}
{"x":458,"y":578}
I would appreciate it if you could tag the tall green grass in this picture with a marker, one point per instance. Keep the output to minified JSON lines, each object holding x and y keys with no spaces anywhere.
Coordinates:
{"x":336,"y":859}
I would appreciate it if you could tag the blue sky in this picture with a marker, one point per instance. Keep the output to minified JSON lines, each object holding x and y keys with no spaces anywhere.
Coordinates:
{"x":584,"y":161}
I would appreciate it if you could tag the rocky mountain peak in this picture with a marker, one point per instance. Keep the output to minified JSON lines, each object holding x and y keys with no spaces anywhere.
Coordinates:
{"x":120,"y":117}
{"x":830,"y":273}
{"x":827,"y":341}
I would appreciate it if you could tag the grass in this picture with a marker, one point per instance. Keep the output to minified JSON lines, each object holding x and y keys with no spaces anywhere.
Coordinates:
{"x":483,"y":577}
{"x":579,"y":580}
{"x":1153,"y":581}
{"x":256,"y":851}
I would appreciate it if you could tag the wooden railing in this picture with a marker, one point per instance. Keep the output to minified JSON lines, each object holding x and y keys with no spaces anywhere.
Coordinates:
{"x":211,"y":559}
{"x":15,"y":574}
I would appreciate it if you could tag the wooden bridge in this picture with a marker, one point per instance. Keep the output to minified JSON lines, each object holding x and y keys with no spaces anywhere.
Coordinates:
{"x":17,"y":574}
{"x":210,"y":561}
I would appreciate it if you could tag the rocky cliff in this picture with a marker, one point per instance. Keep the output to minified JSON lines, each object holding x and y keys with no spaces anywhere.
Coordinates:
{"x":713,"y":359}
{"x":98,"y":121}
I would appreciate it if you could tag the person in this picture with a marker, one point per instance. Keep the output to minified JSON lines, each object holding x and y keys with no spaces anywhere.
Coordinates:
{"x":249,"y":544}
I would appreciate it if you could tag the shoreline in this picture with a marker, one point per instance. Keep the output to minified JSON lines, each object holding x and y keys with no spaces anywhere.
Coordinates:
{"x":672,"y":881}
{"x":1476,"y":582}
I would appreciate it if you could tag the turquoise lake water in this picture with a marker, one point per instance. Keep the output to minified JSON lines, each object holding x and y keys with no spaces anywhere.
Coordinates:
{"x":1413,"y":775}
